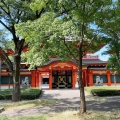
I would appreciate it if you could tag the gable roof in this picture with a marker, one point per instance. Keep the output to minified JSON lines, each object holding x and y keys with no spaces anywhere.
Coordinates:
{"x":84,"y":61}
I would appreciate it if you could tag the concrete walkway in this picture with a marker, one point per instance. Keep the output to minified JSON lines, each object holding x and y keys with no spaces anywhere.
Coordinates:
{"x":67,"y":100}
{"x":61,"y":94}
{"x":71,"y":99}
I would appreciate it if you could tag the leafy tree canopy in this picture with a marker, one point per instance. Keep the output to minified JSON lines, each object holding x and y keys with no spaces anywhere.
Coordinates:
{"x":108,"y":23}
{"x":59,"y":32}
{"x":13,"y":12}
{"x":64,"y":31}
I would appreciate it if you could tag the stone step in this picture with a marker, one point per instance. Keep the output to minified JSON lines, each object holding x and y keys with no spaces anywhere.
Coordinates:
{"x":2,"y":109}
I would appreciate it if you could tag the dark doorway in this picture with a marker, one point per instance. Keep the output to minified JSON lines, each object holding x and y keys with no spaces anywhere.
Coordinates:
{"x":45,"y":81}
{"x":62,"y":79}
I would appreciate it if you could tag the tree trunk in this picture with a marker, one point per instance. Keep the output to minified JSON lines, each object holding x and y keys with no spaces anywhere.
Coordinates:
{"x":16,"y":79}
{"x":81,"y":86}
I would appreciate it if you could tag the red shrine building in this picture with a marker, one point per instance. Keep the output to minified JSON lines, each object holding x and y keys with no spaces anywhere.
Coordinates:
{"x":56,"y":74}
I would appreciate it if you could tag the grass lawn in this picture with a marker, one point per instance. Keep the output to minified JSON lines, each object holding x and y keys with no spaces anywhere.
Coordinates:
{"x":70,"y":115}
{"x":8,"y":105}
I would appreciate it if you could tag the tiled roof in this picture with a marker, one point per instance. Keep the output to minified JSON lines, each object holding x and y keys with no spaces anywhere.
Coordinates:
{"x":93,"y":61}
{"x":97,"y":68}
{"x":51,"y":61}
{"x":84,"y":61}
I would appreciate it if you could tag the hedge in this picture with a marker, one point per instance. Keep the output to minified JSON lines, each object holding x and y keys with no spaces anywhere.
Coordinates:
{"x":5,"y":94}
{"x":30,"y":94}
{"x":26,"y":94}
{"x":105,"y":92}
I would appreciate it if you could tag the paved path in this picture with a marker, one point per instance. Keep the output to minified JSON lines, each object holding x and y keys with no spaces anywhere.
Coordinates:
{"x":67,"y":100}
{"x":70,"y":98}
{"x":66,"y":94}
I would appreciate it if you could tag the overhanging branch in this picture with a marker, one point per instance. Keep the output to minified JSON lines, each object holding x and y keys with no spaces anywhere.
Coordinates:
{"x":5,"y":26}
{"x":6,"y":59}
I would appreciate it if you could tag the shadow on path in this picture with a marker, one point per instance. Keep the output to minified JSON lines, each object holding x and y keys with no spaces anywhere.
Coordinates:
{"x":66,"y":100}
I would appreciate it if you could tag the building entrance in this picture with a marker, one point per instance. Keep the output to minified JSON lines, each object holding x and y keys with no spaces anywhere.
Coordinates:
{"x":45,"y":83}
{"x":61,"y":79}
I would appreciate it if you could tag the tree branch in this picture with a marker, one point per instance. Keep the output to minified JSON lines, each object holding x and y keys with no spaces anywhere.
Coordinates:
{"x":21,"y":44}
{"x":3,"y":9}
{"x":7,"y":13}
{"x":19,"y":14}
{"x":6,"y":59}
{"x":38,"y":14}
{"x":5,"y":26}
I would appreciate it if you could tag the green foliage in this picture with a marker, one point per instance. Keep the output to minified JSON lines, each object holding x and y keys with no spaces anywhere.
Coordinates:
{"x":64,"y":32}
{"x":107,"y":22}
{"x":113,"y":64}
{"x":30,"y":94}
{"x":5,"y":94}
{"x":58,"y":32}
{"x":13,"y":12}
{"x":103,"y":92}
{"x":5,"y":42}
{"x":38,"y":4}
{"x":26,"y":94}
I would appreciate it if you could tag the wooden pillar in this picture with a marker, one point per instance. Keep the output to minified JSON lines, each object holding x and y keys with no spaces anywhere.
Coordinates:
{"x":73,"y":79}
{"x":83,"y":77}
{"x":86,"y":77}
{"x":50,"y":79}
{"x":32,"y":78}
{"x":108,"y":78}
{"x":37,"y":79}
{"x":91,"y":78}
{"x":76,"y":76}
{"x":40,"y":79}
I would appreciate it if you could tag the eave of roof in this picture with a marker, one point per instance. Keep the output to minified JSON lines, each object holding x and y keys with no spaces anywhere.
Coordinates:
{"x":84,"y":62}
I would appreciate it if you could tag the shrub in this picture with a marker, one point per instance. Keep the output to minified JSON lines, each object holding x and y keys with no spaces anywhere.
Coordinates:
{"x":2,"y":97}
{"x":26,"y":94}
{"x":8,"y":96}
{"x":5,"y":94}
{"x":30,"y":93}
{"x":105,"y":92}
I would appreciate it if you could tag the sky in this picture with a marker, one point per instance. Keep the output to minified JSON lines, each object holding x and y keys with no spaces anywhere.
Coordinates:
{"x":102,"y":57}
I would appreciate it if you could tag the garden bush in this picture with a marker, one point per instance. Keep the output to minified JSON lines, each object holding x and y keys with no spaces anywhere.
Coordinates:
{"x":2,"y":97}
{"x":5,"y":94}
{"x":26,"y":94}
{"x":30,"y":94}
{"x":104,"y":92}
{"x":8,"y":96}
